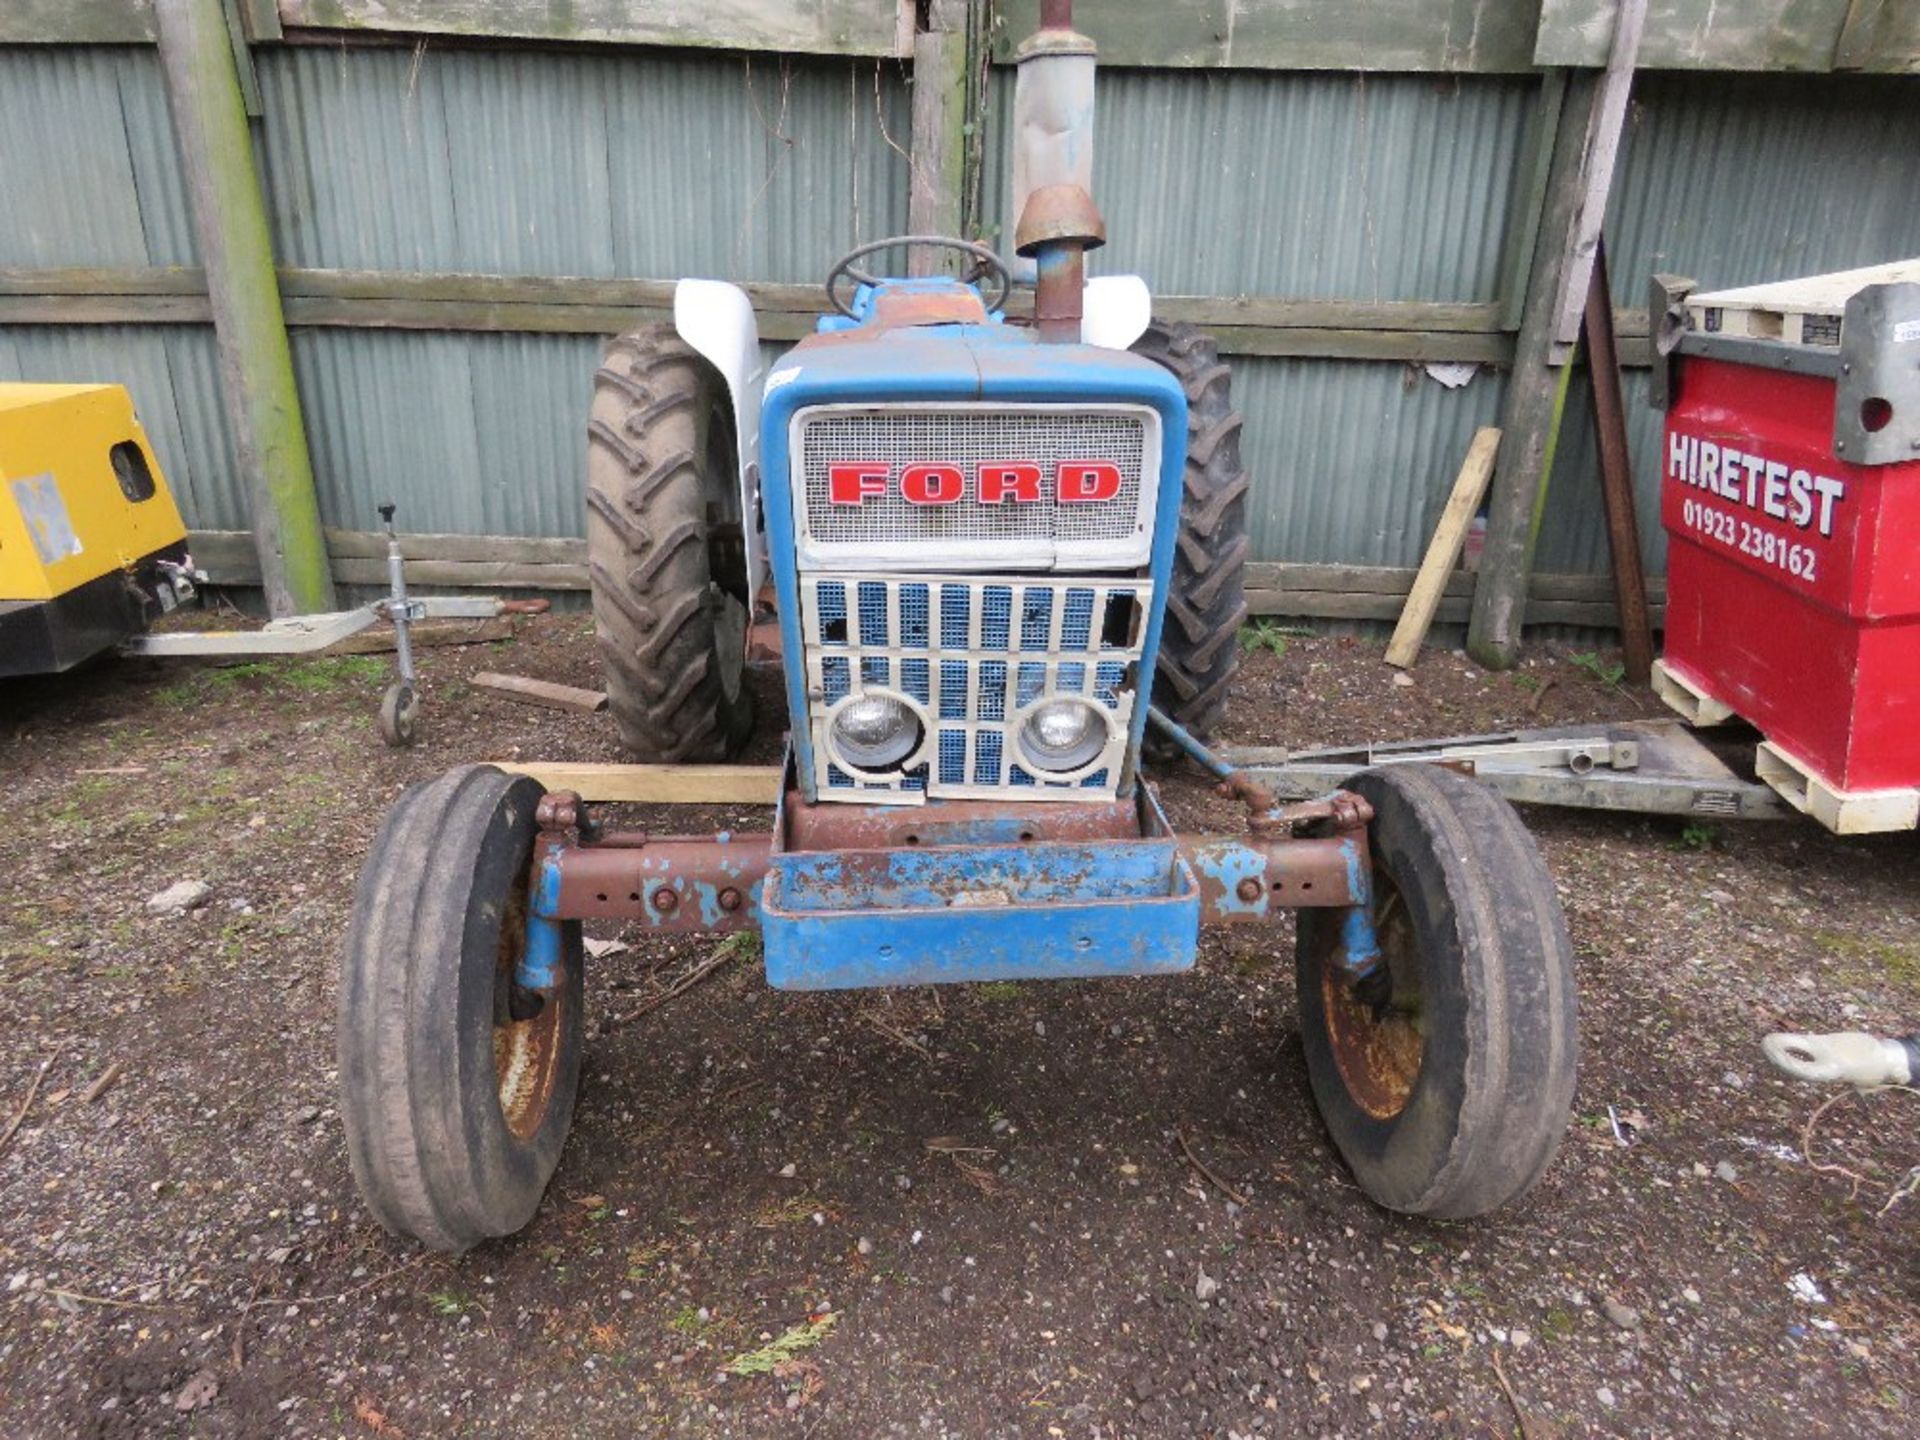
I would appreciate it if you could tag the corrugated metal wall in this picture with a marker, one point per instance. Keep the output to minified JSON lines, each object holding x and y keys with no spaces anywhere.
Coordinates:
{"x":1316,"y":186}
{"x":440,"y":159}
{"x":655,"y":164}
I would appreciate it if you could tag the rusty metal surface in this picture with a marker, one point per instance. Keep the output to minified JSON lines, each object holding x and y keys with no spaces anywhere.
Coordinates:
{"x":1376,"y":1030}
{"x":1247,"y":878}
{"x":677,"y":884}
{"x":894,"y":308}
{"x":955,"y":822}
{"x":1058,"y":225}
{"x":1059,"y":215}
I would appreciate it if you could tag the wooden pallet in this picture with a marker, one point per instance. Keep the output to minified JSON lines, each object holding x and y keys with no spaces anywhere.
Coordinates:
{"x":1807,"y":311}
{"x":1693,"y":704}
{"x":1845,"y":812}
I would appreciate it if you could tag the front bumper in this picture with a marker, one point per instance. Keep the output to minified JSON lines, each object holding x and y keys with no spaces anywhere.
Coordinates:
{"x":1001,"y":908}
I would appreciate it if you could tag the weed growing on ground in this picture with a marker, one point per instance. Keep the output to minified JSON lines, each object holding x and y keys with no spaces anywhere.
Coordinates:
{"x":1609,"y":674}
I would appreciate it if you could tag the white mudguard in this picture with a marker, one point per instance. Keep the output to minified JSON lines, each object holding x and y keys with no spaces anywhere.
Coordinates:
{"x":1117,"y":310}
{"x":716,"y":319}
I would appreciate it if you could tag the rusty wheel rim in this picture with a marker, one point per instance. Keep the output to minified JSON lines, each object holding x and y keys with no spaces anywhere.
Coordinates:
{"x":526,"y":1053}
{"x":1378,"y":1047}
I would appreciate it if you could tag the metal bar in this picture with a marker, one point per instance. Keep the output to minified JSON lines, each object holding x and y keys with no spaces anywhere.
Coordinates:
{"x":1647,"y":767}
{"x":1616,"y":474}
{"x":673,"y":884}
{"x":1252,"y":878}
{"x":1195,"y":748}
{"x":304,"y":634}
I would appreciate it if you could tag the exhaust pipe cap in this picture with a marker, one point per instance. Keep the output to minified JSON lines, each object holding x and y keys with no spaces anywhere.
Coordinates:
{"x":1059,"y":214}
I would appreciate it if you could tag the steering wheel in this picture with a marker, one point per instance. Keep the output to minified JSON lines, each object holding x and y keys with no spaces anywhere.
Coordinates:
{"x":985,"y":263}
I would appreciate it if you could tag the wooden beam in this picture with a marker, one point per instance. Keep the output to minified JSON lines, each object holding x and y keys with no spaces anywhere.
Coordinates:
{"x":358,"y":557}
{"x":544,"y":693}
{"x":76,"y":22}
{"x":1367,"y":592}
{"x":573,"y":305}
{"x":1800,"y":35}
{"x":1605,"y":121}
{"x":937,"y":153}
{"x":1530,"y":410}
{"x":1449,"y":36}
{"x":1443,"y":551}
{"x":1356,"y":592}
{"x":844,"y":27}
{"x":1879,"y":35}
{"x":1536,"y":170}
{"x":215,"y":148}
{"x":655,"y":784}
{"x":1396,"y":581}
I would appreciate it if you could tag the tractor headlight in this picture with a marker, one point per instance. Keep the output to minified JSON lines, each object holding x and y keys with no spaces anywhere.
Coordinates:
{"x":1063,"y":735}
{"x":875,"y":732}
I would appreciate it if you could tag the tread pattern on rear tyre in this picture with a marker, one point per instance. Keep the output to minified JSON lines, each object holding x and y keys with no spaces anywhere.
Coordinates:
{"x":652,"y":491}
{"x":1487,"y":882}
{"x":406,"y":1102}
{"x":1207,"y":602}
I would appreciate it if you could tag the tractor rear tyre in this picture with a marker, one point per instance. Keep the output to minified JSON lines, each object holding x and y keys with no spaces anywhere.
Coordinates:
{"x":1207,"y":604}
{"x":456,"y":1085}
{"x":665,"y":550}
{"x":1446,"y":1081}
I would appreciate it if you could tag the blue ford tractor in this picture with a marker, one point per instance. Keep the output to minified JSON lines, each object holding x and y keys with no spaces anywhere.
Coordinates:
{"x":999,"y":540}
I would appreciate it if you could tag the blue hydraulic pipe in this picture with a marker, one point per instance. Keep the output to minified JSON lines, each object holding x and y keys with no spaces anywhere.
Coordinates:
{"x":1189,"y":742}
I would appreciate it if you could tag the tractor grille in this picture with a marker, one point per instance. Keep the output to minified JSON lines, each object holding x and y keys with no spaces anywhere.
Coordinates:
{"x":890,"y":532}
{"x":971,"y":656}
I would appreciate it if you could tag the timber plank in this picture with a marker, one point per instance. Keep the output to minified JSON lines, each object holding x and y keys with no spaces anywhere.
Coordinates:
{"x":655,"y":784}
{"x":1485,"y":36}
{"x":1259,"y":325}
{"x":845,"y":27}
{"x":1363,"y":592}
{"x":545,"y":693}
{"x":1698,"y":34}
{"x":1443,"y":551}
{"x":77,"y":22}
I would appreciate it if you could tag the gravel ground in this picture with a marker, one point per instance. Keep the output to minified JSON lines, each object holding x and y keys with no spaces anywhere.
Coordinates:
{"x":965,"y":1212}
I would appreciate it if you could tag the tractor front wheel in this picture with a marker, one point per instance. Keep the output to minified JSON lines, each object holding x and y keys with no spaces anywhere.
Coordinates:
{"x":456,"y":1085}
{"x":1445,"y":1078}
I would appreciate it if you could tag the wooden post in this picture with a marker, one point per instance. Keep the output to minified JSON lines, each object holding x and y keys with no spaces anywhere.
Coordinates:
{"x":256,"y":365}
{"x":939,"y":144}
{"x":1530,"y":417}
{"x":1616,"y":473}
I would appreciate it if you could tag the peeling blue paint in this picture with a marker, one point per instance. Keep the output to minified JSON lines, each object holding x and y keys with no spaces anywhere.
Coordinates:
{"x":540,"y":961}
{"x":1360,"y":944}
{"x":937,"y":914}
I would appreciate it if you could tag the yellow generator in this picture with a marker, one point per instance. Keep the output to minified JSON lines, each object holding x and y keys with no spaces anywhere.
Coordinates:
{"x":92,"y":547}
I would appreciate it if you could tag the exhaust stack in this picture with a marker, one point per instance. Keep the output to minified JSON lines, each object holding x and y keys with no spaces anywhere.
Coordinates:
{"x":1053,"y":170}
{"x":1052,"y":113}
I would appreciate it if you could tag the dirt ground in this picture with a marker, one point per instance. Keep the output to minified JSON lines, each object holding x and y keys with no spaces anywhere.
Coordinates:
{"x":184,"y":1254}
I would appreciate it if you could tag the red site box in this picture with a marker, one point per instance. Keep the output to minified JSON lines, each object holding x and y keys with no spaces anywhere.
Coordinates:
{"x":1790,"y":495}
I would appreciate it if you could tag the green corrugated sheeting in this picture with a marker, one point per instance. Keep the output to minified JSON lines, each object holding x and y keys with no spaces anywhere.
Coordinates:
{"x":652,"y":164}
